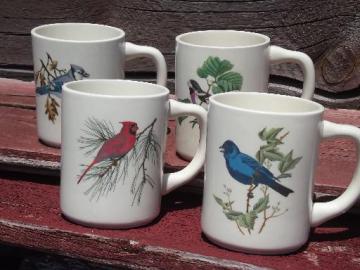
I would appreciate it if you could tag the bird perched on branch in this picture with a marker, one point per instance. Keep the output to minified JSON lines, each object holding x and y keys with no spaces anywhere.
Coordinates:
{"x":116,"y":147}
{"x":248,"y":170}
{"x":75,"y":73}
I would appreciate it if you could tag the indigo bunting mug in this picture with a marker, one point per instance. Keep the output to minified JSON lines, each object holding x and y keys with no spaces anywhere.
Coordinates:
{"x":112,"y":151}
{"x":66,"y":52}
{"x":218,"y":61}
{"x":259,"y":172}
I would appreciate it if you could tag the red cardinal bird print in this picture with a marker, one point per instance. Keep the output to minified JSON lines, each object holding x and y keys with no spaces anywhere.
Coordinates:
{"x":116,"y":147}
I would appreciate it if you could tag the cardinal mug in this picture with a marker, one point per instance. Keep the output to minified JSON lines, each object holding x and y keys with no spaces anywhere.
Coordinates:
{"x":66,"y":52}
{"x":259,"y":172}
{"x":217,"y":61}
{"x":112,"y":151}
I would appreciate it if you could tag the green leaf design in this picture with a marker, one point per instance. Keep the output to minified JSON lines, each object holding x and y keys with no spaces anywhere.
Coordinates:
{"x":285,"y":161}
{"x":202,"y":73}
{"x":224,"y":80}
{"x":288,"y":162}
{"x":229,"y":81}
{"x":260,"y":156}
{"x":262,"y":204}
{"x":233,"y":215}
{"x":214,"y":67}
{"x":194,"y":122}
{"x":273,"y":132}
{"x":219,"y":201}
{"x":216,"y":89}
{"x":185,"y":100}
{"x":273,"y":155}
{"x":247,"y":220}
{"x":262,"y":134}
{"x":293,"y":163}
{"x":181,"y":119}
{"x":270,"y":135}
{"x":284,"y":175}
{"x":268,"y":147}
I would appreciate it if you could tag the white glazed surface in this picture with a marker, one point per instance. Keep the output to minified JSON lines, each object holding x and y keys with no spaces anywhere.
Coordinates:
{"x":100,"y":58}
{"x":252,"y":62}
{"x":111,"y":102}
{"x":282,"y":234}
{"x":100,"y":50}
{"x":114,"y":209}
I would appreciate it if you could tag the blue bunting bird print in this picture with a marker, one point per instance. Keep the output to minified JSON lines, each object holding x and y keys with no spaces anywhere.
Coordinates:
{"x":247,"y":170}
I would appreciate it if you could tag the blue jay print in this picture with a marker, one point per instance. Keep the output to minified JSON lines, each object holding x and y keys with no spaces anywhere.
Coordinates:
{"x":49,"y":80}
{"x":247,"y":170}
{"x":74,"y":74}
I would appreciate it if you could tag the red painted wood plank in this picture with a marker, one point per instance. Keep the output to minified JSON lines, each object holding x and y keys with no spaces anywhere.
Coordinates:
{"x":29,"y":211}
{"x":30,"y":217}
{"x":17,"y":93}
{"x":337,"y":160}
{"x":16,"y":87}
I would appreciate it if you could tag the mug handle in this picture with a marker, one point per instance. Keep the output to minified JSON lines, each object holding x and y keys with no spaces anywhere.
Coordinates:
{"x":134,"y":51}
{"x":280,"y":55}
{"x":174,"y":180}
{"x":322,"y":212}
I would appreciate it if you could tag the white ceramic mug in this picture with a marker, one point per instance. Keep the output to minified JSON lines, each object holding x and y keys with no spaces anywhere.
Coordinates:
{"x":112,"y":151}
{"x":259,"y":172}
{"x":65,"y":52}
{"x":217,"y":61}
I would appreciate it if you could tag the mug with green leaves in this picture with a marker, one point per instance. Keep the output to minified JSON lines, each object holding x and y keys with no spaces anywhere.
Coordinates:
{"x":218,"y":61}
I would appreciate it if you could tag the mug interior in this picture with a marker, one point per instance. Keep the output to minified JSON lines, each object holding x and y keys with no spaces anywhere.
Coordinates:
{"x":116,"y":88}
{"x":266,"y":103}
{"x":223,"y":38}
{"x":82,"y":32}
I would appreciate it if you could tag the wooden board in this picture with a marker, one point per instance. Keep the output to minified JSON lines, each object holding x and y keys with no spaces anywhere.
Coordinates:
{"x":30,"y":217}
{"x":328,"y":32}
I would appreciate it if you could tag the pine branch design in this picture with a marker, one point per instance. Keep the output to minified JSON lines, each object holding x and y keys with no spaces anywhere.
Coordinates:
{"x":97,"y":132}
{"x":146,"y":148}
{"x":108,"y":173}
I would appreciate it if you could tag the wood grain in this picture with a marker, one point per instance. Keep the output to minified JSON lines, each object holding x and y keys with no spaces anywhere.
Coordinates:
{"x":328,"y":32}
{"x":30,"y":217}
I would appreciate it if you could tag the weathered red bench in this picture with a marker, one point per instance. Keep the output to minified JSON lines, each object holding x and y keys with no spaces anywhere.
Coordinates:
{"x":30,"y":215}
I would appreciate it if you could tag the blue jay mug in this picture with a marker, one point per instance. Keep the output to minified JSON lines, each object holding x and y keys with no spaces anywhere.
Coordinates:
{"x":65,"y":52}
{"x":259,"y":172}
{"x":217,"y":61}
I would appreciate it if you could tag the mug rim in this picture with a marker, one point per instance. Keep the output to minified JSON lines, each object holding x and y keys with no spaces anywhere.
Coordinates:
{"x":179,"y":39}
{"x":34,"y":32}
{"x":98,"y":91}
{"x":318,"y":108}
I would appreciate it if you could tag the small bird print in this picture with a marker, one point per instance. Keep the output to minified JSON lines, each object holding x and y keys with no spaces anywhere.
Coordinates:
{"x":197,"y":93}
{"x":75,"y":73}
{"x":248,"y":171}
{"x":117,"y":146}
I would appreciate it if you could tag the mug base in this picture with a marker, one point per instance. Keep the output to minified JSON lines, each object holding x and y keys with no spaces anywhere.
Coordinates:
{"x":255,"y":251}
{"x":103,"y":225}
{"x":49,"y":143}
